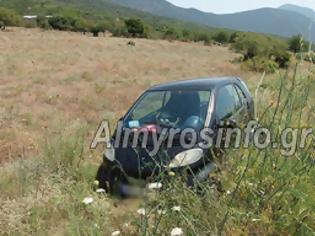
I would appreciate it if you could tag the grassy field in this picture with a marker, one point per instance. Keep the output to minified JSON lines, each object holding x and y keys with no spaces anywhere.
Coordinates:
{"x":55,"y":88}
{"x":48,"y":77}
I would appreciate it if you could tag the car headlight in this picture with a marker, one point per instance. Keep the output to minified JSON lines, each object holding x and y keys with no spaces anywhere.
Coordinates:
{"x":186,"y":158}
{"x":110,"y":153}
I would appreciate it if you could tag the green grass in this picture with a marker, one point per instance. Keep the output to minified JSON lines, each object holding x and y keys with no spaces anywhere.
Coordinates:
{"x":43,"y":195}
{"x":264,"y":193}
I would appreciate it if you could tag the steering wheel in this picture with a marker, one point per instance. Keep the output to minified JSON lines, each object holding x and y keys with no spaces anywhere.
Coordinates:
{"x":166,"y":119}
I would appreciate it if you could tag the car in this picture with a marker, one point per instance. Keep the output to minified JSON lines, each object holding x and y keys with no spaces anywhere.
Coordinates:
{"x":193,"y":105}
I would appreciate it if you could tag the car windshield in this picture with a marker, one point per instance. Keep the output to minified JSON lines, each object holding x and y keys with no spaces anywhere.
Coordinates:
{"x":175,"y":109}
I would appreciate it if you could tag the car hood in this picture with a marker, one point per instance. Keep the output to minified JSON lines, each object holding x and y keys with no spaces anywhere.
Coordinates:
{"x":137,"y":162}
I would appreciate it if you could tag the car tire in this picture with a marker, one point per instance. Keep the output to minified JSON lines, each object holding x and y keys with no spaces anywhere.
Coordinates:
{"x":102,"y":177}
{"x":115,"y":181}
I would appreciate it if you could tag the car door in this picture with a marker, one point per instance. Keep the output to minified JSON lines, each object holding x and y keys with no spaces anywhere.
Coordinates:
{"x":228,"y":107}
{"x":228,"y":104}
{"x":243,"y":112}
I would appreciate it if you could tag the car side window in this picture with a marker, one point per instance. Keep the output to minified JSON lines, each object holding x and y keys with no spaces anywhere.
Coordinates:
{"x":241,"y":95}
{"x":227,"y":102}
{"x":204,"y":97}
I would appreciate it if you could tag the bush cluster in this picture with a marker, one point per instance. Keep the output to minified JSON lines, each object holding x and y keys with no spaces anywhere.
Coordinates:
{"x":9,"y":17}
{"x":261,"y":53}
{"x":135,"y":27}
{"x":297,"y":44}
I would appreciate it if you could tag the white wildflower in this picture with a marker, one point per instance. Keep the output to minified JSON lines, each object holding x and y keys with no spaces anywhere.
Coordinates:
{"x":176,"y":208}
{"x":177,"y":232}
{"x":154,"y":186}
{"x":171,"y":173}
{"x":141,"y":211}
{"x":161,"y":212}
{"x":100,"y":190}
{"x":115,"y":233}
{"x":87,"y":200}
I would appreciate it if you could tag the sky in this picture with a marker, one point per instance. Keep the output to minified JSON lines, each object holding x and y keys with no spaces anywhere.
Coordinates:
{"x":231,"y":6}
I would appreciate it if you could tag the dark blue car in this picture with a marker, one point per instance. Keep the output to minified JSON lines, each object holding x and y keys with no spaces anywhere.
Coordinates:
{"x":182,"y":106}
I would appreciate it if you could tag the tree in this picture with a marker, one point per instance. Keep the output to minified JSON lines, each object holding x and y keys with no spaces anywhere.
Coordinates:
{"x":82,"y":25}
{"x":98,"y":28}
{"x":62,"y":23}
{"x":9,"y":17}
{"x":296,"y":43}
{"x":248,"y":47}
{"x":135,"y":27}
{"x":95,"y":30}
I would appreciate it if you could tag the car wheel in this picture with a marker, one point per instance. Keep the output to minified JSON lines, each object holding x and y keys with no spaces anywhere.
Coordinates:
{"x":116,"y":180}
{"x":102,"y":177}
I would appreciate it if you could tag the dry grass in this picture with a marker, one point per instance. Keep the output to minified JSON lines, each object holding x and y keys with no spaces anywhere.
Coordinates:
{"x":51,"y":79}
{"x":47,"y":77}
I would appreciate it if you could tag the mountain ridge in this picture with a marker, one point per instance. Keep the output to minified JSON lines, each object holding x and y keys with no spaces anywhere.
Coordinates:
{"x":274,"y":21}
{"x":308,"y":12}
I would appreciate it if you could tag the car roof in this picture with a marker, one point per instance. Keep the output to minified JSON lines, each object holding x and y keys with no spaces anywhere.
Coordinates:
{"x":195,"y":84}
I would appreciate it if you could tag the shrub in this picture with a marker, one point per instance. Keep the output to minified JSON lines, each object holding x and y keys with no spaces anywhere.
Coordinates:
{"x":42,"y":22}
{"x":248,"y":48}
{"x":171,"y":34}
{"x":82,"y":25}
{"x":233,"y":37}
{"x":9,"y":17}
{"x":221,"y":37}
{"x":203,"y":37}
{"x":95,"y":30}
{"x":261,"y":64}
{"x":119,"y":29}
{"x":62,"y":23}
{"x":281,"y":57}
{"x":261,"y":53}
{"x":296,"y":44}
{"x":2,"y":25}
{"x":186,"y":34}
{"x":135,"y":27}
{"x":100,"y":27}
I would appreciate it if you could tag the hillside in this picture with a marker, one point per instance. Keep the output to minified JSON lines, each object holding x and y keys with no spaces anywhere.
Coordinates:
{"x":265,"y":20}
{"x":308,"y":12}
{"x":97,"y":10}
{"x":286,"y":21}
